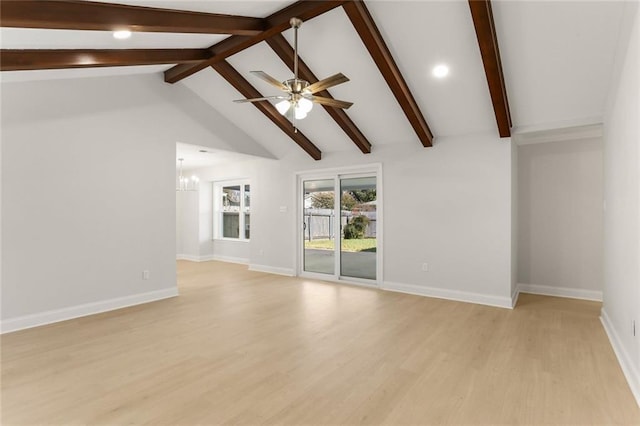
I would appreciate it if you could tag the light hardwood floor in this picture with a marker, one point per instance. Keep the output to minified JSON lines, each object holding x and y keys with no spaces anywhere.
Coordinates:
{"x":242,"y":347}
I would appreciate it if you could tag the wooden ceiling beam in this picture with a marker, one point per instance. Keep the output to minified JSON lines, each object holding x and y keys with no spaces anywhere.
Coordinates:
{"x":275,"y":24}
{"x":366,"y":28}
{"x":482,"y":15}
{"x":20,"y":60}
{"x":86,"y":15}
{"x":283,"y":49}
{"x":245,"y":88}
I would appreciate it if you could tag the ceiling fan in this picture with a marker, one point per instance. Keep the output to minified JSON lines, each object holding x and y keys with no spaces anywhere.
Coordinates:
{"x":299,"y":98}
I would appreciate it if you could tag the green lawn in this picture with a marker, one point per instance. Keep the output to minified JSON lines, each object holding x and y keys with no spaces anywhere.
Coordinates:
{"x":366,"y":244}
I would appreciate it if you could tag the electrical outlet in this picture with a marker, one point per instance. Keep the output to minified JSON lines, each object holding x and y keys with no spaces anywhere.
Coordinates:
{"x":145,"y":275}
{"x":425,"y":267}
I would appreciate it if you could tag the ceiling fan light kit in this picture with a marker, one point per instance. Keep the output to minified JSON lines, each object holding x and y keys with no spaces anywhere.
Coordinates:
{"x":299,"y":98}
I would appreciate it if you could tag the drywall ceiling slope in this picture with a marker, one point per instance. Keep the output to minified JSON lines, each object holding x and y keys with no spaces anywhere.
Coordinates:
{"x":196,"y":157}
{"x":215,"y":90}
{"x":558,"y":59}
{"x":169,"y":113}
{"x":375,"y":110}
{"x":457,"y":105}
{"x":424,"y":34}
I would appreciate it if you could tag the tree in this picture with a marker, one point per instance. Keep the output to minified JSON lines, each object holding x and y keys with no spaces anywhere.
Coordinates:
{"x":322,"y":200}
{"x":348,"y":201}
{"x":325,"y":200}
{"x":364,"y":195}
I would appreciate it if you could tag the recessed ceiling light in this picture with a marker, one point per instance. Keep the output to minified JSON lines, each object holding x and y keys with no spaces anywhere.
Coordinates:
{"x":440,"y":71}
{"x":122,"y":34}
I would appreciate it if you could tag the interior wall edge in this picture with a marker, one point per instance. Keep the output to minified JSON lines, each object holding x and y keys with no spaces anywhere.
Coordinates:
{"x":454,"y":295}
{"x":287,"y":272}
{"x":515,"y":295}
{"x":188,"y":257}
{"x":571,"y":293}
{"x":230,"y":259}
{"x":208,"y":258}
{"x":629,"y":370}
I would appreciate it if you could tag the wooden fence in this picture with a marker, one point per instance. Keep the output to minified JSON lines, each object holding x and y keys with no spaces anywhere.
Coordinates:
{"x":318,"y":223}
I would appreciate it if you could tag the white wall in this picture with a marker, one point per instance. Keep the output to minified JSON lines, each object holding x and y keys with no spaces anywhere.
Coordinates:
{"x":622,"y":197}
{"x":88,"y":193}
{"x":560,"y":216}
{"x":515,"y":223}
{"x":449,"y":206}
{"x":1,"y":210}
{"x":187,"y":229}
{"x":205,"y":224}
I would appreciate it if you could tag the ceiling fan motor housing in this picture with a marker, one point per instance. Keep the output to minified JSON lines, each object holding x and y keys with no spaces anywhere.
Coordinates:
{"x":297,"y":86}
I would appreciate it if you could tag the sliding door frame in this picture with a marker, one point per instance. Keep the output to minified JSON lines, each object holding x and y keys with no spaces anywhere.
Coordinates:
{"x":373,"y":170}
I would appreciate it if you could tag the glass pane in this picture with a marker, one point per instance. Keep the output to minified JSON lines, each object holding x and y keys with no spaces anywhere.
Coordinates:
{"x":247,"y":224}
{"x":231,"y":198}
{"x":319,"y":241}
{"x":231,"y":211}
{"x":358,"y":228}
{"x":230,"y":225}
{"x":247,"y":198}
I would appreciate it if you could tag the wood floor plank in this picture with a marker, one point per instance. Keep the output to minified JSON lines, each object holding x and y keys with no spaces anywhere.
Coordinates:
{"x":242,"y":347}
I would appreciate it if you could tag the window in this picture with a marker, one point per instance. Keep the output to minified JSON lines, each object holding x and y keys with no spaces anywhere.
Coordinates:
{"x":232,"y":204}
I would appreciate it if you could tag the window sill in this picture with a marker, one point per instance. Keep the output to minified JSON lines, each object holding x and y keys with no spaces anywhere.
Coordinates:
{"x":237,"y":240}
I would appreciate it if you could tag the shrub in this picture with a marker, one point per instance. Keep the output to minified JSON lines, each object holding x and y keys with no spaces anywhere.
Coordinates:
{"x":361,"y":222}
{"x":351,"y":232}
{"x":356,"y":228}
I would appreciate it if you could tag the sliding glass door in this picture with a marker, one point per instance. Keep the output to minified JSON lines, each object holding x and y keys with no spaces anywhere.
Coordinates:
{"x":339,"y":235}
{"x":318,"y":226}
{"x":358,"y":243}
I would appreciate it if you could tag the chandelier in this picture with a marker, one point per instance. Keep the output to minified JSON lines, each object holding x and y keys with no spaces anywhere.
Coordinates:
{"x":184,"y":183}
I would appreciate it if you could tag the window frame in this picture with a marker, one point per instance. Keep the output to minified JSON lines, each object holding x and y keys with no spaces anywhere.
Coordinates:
{"x":218,"y":211}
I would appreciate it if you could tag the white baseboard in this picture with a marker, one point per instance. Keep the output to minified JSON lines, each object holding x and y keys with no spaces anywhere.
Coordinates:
{"x":628,"y":368}
{"x":188,"y":257}
{"x":459,"y":296}
{"x":514,"y":296}
{"x":272,"y":270}
{"x":49,"y":317}
{"x":230,"y":259}
{"x":573,"y":293}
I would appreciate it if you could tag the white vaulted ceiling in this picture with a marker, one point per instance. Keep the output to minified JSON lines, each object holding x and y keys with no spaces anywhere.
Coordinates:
{"x":557,"y":60}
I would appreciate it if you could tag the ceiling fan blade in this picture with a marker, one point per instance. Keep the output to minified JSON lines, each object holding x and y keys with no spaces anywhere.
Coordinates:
{"x":259,"y":99}
{"x":324,"y":84}
{"x":272,"y":81}
{"x":331,"y":102}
